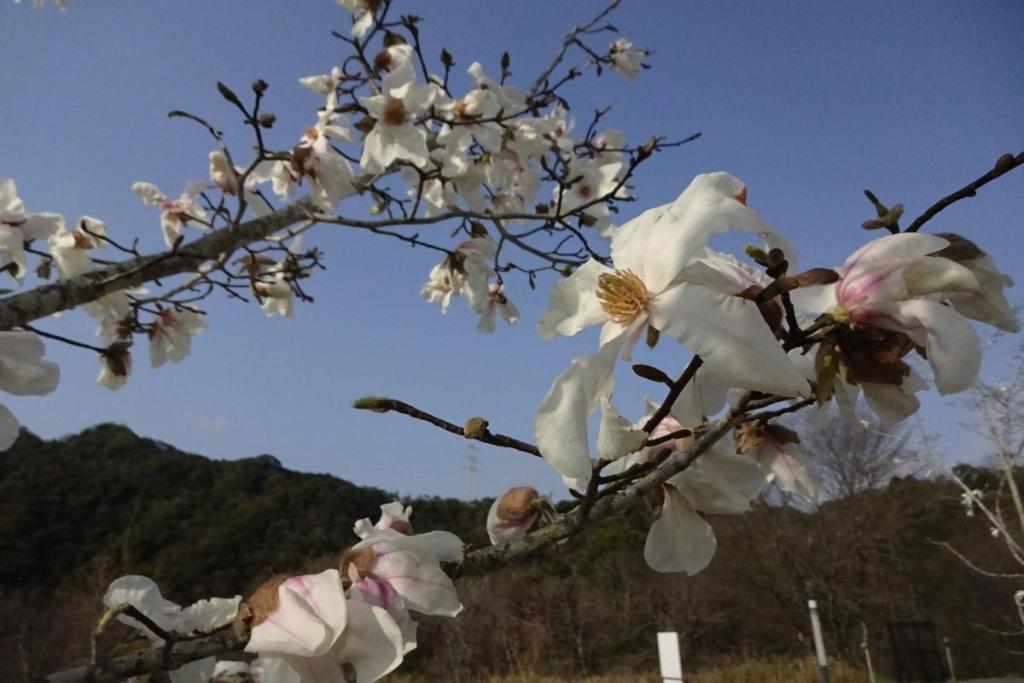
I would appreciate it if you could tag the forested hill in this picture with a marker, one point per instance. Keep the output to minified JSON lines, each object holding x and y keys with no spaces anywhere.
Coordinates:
{"x":77,"y":512}
{"x":107,"y":495}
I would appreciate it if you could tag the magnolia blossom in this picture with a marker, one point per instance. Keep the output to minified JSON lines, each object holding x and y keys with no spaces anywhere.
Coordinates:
{"x":497,"y":304}
{"x":171,"y":335}
{"x":395,"y":135}
{"x":472,"y":117}
{"x":775,"y":448}
{"x":226,"y":177}
{"x":593,"y":180}
{"x":362,"y":15}
{"x":646,"y":287}
{"x":23,"y":372}
{"x":883,"y":285}
{"x":174,"y":213}
{"x":625,"y":59}
{"x":719,"y":481}
{"x":115,"y":365}
{"x":203,"y":616}
{"x":305,"y":629}
{"x":70,"y":249}
{"x":464,"y":272}
{"x":18,"y":227}
{"x":512,"y":515}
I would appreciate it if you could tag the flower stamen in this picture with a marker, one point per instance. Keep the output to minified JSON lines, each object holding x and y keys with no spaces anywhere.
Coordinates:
{"x":622,"y":294}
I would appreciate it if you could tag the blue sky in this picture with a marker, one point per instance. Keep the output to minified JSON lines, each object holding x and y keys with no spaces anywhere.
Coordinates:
{"x":807,"y":102}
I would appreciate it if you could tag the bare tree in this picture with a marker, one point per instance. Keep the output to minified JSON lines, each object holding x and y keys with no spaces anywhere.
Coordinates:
{"x":857,"y":457}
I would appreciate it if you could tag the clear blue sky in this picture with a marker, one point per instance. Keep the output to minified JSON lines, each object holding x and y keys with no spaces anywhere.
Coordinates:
{"x":807,"y":102}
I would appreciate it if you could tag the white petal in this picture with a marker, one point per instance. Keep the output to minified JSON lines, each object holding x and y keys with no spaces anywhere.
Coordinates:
{"x":309,"y":618}
{"x":659,"y":243}
{"x":208,"y":615}
{"x":561,"y":424}
{"x":142,"y":593}
{"x":573,"y":304}
{"x":935,"y":274}
{"x":148,"y":193}
{"x":617,"y":436}
{"x":730,"y":335}
{"x":680,"y":540}
{"x":9,"y":428}
{"x":952,"y":345}
{"x":892,"y":403}
{"x":373,"y":644}
{"x":721,"y":481}
{"x":989,"y":305}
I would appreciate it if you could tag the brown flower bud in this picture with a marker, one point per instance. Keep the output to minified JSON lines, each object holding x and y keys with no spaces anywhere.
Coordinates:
{"x":518,"y":503}
{"x":264,"y":601}
{"x":361,"y":559}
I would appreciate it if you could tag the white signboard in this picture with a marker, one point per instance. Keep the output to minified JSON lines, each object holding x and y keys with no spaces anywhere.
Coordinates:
{"x":668,"y":655}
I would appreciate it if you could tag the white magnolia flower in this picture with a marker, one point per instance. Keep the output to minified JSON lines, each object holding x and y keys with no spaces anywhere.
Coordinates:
{"x":464,"y":272}
{"x":646,"y":287}
{"x":393,"y":516}
{"x":775,"y":449}
{"x":171,"y":336}
{"x":323,"y":84}
{"x":226,"y":177}
{"x":593,"y":181}
{"x":311,"y":629}
{"x":625,"y":59}
{"x":471,"y":118}
{"x":115,"y":366}
{"x":70,"y":249}
{"x":882,"y":285}
{"x":18,"y":227}
{"x":395,"y":135}
{"x":174,"y":213}
{"x":23,"y":372}
{"x":362,"y":15}
{"x":497,"y":304}
{"x":203,"y":616}
{"x":719,"y":481}
{"x":512,"y":514}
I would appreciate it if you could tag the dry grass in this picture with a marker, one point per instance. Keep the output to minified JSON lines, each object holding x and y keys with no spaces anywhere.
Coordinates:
{"x":781,"y":670}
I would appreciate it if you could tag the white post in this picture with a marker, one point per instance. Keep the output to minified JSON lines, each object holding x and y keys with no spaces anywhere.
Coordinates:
{"x":867,"y":652}
{"x":949,"y":659}
{"x":669,"y":658}
{"x":819,"y":643}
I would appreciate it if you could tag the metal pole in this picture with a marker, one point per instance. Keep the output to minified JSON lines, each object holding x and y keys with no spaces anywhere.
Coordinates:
{"x":949,"y":659}
{"x":819,"y":643}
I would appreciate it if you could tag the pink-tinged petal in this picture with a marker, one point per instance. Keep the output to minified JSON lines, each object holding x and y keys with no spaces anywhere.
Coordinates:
{"x":573,"y":304}
{"x":951,"y":344}
{"x":892,"y":252}
{"x":730,"y":335}
{"x":373,"y":643}
{"x":658,"y":244}
{"x":433,"y":546}
{"x":9,"y":428}
{"x":309,"y":618}
{"x":617,"y":436}
{"x":680,"y":540}
{"x":562,"y":420}
{"x":422,"y":584}
{"x":795,"y":473}
{"x":933,"y":274}
{"x":380,"y":594}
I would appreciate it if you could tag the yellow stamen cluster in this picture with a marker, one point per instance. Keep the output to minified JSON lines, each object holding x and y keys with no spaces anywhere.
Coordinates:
{"x":622,"y":294}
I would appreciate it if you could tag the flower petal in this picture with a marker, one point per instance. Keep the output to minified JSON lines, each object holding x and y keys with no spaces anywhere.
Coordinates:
{"x":562,"y":420}
{"x":617,"y":436}
{"x":309,"y":618}
{"x":730,"y":335}
{"x":373,"y":643}
{"x":680,"y":540}
{"x":422,"y":583}
{"x":573,"y":303}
